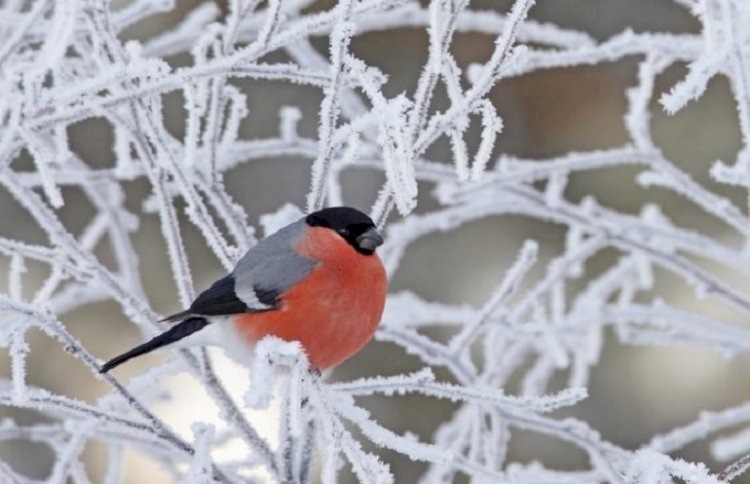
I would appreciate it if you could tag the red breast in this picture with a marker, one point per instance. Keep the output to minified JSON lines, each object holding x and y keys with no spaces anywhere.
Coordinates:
{"x":335,"y":310}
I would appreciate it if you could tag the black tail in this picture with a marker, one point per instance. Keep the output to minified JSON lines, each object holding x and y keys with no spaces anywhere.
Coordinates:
{"x":175,"y":333}
{"x":177,"y":316}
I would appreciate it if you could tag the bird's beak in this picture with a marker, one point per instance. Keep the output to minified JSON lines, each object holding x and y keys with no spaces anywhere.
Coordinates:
{"x":369,"y":240}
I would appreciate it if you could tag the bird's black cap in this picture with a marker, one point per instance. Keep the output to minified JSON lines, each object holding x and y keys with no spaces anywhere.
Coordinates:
{"x":354,"y":226}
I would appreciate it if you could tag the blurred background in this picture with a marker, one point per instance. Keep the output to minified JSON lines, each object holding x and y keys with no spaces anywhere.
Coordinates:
{"x":635,"y":391}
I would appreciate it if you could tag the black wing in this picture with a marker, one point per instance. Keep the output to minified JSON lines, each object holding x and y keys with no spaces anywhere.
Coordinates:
{"x":218,"y":299}
{"x":221,"y":299}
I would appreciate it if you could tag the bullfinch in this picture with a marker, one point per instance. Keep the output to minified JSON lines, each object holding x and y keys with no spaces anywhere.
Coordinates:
{"x":317,"y":281}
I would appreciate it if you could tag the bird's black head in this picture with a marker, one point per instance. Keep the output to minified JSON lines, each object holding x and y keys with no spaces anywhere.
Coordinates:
{"x":355,"y":227}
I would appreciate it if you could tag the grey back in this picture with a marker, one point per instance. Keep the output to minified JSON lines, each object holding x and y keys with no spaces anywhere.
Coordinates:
{"x":271,"y":267}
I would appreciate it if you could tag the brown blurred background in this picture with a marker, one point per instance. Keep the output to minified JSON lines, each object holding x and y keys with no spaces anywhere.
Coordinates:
{"x":635,"y":392}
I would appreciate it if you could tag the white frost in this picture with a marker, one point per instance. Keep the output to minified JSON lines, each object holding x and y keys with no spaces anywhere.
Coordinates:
{"x":65,"y":62}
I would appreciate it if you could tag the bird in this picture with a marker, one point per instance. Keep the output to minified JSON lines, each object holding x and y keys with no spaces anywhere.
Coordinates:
{"x":317,"y":281}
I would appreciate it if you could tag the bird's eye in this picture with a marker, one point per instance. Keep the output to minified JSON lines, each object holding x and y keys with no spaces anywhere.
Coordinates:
{"x":343,"y":232}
